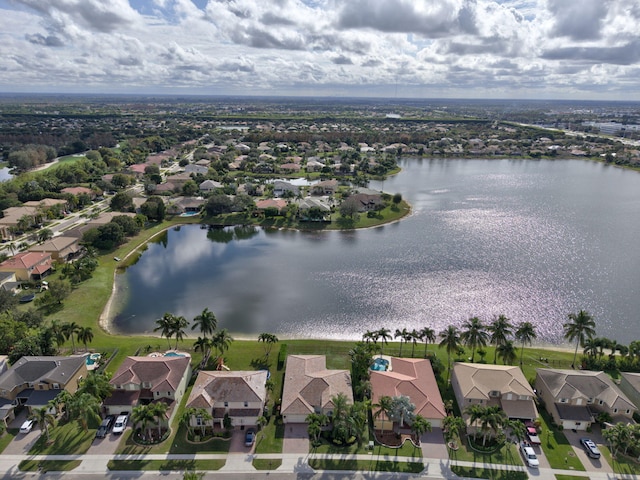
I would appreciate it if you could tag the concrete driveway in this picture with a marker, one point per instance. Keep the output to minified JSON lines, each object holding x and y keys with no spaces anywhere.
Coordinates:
{"x":296,"y":438}
{"x":237,"y":442}
{"x":433,"y":446}
{"x":106,"y":445}
{"x":590,"y":464}
{"x":23,"y":442}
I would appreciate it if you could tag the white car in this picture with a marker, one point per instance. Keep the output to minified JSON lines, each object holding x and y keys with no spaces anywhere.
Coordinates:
{"x":120,"y":425}
{"x":529,"y":455}
{"x":27,"y":426}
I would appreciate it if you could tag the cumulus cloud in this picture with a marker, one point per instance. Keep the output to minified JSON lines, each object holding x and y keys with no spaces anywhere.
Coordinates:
{"x":578,"y":20}
{"x":48,"y":41}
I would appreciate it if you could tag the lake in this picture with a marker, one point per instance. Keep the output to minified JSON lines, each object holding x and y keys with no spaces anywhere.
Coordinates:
{"x":534,"y":240}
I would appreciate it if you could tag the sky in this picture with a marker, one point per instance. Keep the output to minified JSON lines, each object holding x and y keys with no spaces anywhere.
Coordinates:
{"x":547,"y":49}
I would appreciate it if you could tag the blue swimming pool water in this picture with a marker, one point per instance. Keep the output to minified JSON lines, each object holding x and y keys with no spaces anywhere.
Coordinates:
{"x":173,"y":354}
{"x":380,"y":365}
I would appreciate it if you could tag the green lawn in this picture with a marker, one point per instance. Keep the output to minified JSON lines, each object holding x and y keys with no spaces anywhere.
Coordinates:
{"x":266,"y":464}
{"x":166,"y":465}
{"x":366,"y":465}
{"x":489,"y":473}
{"x":65,"y":439}
{"x":621,"y":464}
{"x":7,"y":437}
{"x":556,"y":447}
{"x":48,"y":465}
{"x":507,"y":455}
{"x":570,"y":477}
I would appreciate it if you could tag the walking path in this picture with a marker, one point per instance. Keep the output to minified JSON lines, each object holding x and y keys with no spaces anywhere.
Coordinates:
{"x":291,"y":463}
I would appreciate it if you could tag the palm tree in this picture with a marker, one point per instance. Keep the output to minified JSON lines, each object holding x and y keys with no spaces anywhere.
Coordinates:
{"x":370,"y":336}
{"x":203,"y":344}
{"x":384,"y":335}
{"x":222,"y":341}
{"x":159,"y":411}
{"x":507,"y":352}
{"x":414,"y":337}
{"x":185,"y":419}
{"x":450,"y":340}
{"x":403,"y":335}
{"x":591,"y":347}
{"x":97,"y":385}
{"x":143,"y":415}
{"x":177,"y":328}
{"x":165,"y":327}
{"x":500,"y":330}
{"x":428,"y":335}
{"x":269,"y":340}
{"x":64,"y":398}
{"x":517,"y":428}
{"x":84,"y":407}
{"x":57,"y":333}
{"x":43,"y":418}
{"x":579,"y":327}
{"x":474,"y":335}
{"x":206,"y":322}
{"x":419,"y":426}
{"x":525,"y":333}
{"x":85,"y":335}
{"x":383,"y":407}
{"x":452,"y":426}
{"x":69,"y":330}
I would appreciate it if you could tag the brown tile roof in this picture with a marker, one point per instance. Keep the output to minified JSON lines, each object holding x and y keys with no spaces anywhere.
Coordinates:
{"x":476,"y":380}
{"x":161,"y":373}
{"x":309,"y":385}
{"x":414,"y":378}
{"x":222,"y":386}
{"x":26,"y":260}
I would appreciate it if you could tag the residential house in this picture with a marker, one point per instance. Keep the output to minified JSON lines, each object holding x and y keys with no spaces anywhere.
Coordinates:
{"x":290,"y":167}
{"x":106,"y":217}
{"x":142,"y":380}
{"x":239,"y":394}
{"x":75,"y":191}
{"x":504,"y":386}
{"x":365,"y":202}
{"x":326,"y":187}
{"x":9,"y":282}
{"x":28,"y":266}
{"x":314,"y":165}
{"x":277,"y":203}
{"x":138,"y":169}
{"x":413,"y":378}
{"x":35,"y":380}
{"x":280,"y":188}
{"x":209,"y":186}
{"x":179,"y":179}
{"x":193,"y":168}
{"x":575,"y":398}
{"x":32,"y":210}
{"x":61,"y":248}
{"x":309,"y":387}
{"x":307,"y":203}
{"x":630,"y":386}
{"x":185,"y":205}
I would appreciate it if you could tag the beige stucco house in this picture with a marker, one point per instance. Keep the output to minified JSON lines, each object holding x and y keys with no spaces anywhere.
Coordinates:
{"x":574,"y":398}
{"x":309,"y":387}
{"x":240,"y":394}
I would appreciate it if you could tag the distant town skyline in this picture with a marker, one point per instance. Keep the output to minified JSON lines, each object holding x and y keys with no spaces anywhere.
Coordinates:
{"x":529,"y":49}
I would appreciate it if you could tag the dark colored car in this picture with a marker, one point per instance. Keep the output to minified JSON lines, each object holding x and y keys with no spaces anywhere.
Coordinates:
{"x":590,"y":447}
{"x":105,"y":426}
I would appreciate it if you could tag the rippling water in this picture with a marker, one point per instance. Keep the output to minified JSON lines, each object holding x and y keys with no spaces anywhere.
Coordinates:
{"x":534,"y":240}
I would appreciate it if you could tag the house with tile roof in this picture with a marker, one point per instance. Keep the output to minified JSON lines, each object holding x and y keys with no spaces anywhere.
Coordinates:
{"x":239,"y":394}
{"x":413,"y":378}
{"x":504,"y":386}
{"x":630,"y":386}
{"x":79,"y":191}
{"x":277,"y":203}
{"x":575,"y":398}
{"x":142,"y":380}
{"x":309,"y":387}
{"x":35,"y":380}
{"x":28,"y":266}
{"x":60,"y":248}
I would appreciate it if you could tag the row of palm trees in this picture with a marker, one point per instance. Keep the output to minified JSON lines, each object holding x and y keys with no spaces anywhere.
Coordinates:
{"x":149,"y":415}
{"x":62,"y":332}
{"x":174,"y":326}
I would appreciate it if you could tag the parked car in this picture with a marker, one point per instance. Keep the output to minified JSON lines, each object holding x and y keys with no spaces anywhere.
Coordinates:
{"x":532,"y":433}
{"x":120,"y":425}
{"x":529,"y":455}
{"x":27,"y":426}
{"x":249,"y":437}
{"x":590,"y":447}
{"x":105,"y":426}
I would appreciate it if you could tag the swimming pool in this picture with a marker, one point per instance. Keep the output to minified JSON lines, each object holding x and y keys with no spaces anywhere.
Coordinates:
{"x":174,"y":354}
{"x":380,"y":365}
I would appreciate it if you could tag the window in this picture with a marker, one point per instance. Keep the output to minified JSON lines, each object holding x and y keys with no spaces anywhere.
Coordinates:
{"x":199,"y":421}
{"x":469,"y":400}
{"x":578,"y":424}
{"x":494,"y":393}
{"x":615,"y":410}
{"x":226,"y":404}
{"x":56,"y":386}
{"x":589,"y":400}
{"x":168,"y":394}
{"x":563,"y":400}
{"x":600,"y":402}
{"x":627,"y":412}
{"x":246,"y":404}
{"x":523,"y":397}
{"x":30,"y":384}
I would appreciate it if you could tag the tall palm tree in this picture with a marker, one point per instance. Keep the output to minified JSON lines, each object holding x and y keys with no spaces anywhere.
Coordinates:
{"x":203,"y":416}
{"x":370,"y":336}
{"x":384,"y":335}
{"x":206,"y":322}
{"x":165,"y":327}
{"x":525,"y":333}
{"x":419,"y":426}
{"x":415,"y":335}
{"x":269,"y":340}
{"x":507,"y":352}
{"x":96,"y":384}
{"x":58,"y":333}
{"x":580,"y":326}
{"x":204,"y":345}
{"x":63,"y":399}
{"x":85,"y":335}
{"x":222,"y":341}
{"x":159,"y":411}
{"x":474,"y":335}
{"x":177,"y":327}
{"x":500,"y":330}
{"x":70,"y":329}
{"x":591,"y":347}
{"x":143,"y":415}
{"x":403,"y":335}
{"x":85,"y":407}
{"x":43,"y":418}
{"x":428,"y":335}
{"x":453,"y":426}
{"x":450,"y":340}
{"x":383,"y":407}
{"x":185,"y":419}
